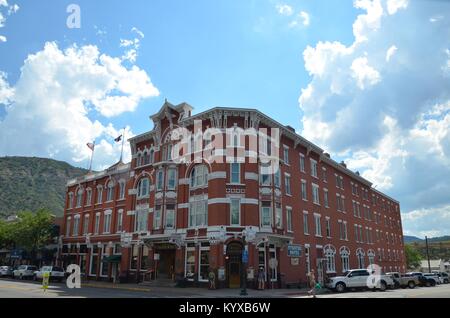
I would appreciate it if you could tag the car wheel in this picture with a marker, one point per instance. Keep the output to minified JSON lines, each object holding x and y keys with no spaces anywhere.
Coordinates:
{"x":383,"y":286}
{"x":411,"y":285}
{"x":340,"y":287}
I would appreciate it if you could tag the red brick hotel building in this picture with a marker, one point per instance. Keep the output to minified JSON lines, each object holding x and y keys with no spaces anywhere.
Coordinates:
{"x":169,"y":219}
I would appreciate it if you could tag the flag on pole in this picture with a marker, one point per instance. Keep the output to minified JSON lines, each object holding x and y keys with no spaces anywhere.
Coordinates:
{"x":118,"y":139}
{"x":91,"y":146}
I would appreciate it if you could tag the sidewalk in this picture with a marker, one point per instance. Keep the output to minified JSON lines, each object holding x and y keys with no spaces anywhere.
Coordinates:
{"x":203,"y":292}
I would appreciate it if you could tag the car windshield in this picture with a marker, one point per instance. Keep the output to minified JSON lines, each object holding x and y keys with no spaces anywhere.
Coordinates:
{"x":46,"y":269}
{"x":346,"y":273}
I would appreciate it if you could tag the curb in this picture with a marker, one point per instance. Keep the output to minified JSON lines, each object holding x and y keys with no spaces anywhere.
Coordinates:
{"x":116,"y":287}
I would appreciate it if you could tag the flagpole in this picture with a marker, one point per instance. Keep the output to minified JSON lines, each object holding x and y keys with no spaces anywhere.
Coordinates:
{"x":123,"y":140}
{"x":92,"y":157}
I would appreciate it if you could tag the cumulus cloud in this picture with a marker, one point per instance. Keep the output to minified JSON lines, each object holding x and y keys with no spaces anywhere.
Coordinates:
{"x":49,"y":109}
{"x":382,"y":102}
{"x":284,"y":9}
{"x":132,"y":45}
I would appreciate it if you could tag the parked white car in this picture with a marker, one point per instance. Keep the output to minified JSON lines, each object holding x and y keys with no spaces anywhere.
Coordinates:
{"x":360,"y":278}
{"x":24,"y":271}
{"x":434,"y":276}
{"x":56,"y":273}
{"x":6,"y":271}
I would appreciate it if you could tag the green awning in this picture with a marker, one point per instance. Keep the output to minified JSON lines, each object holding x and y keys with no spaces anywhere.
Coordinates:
{"x":112,"y":259}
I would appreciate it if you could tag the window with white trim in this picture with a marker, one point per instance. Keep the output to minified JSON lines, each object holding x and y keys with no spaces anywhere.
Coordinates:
{"x":266,"y":214}
{"x":278,"y":216}
{"x":328,"y":227}
{"x":287,"y":183}
{"x":99,"y":194}
{"x":330,"y":253}
{"x":235,"y":169}
{"x":277,"y":178}
{"x":318,"y":224}
{"x":289,"y":219}
{"x":302,"y":162}
{"x":121,"y":190}
{"x":198,"y":213}
{"x":141,"y":223}
{"x":315,"y":192}
{"x":171,"y":179}
{"x":88,"y":196}
{"x":324,"y":174}
{"x":107,"y":222}
{"x":159,"y":180}
{"x":70,"y":201}
{"x":79,"y":197}
{"x":325,"y":198}
{"x":86,"y":224}
{"x":199,"y":176}
{"x":235,"y":212}
{"x":110,"y":191}
{"x":76,"y":223}
{"x":203,"y":264}
{"x":345,"y":258}
{"x":189,"y":266}
{"x":314,"y":168}
{"x":304,"y":191}
{"x":97,"y":223}
{"x":170,"y":217}
{"x":157,"y":217}
{"x":143,"y":187}
{"x":119,"y":221}
{"x":305,"y":223}
{"x":360,"y":257}
{"x":286,"y":154}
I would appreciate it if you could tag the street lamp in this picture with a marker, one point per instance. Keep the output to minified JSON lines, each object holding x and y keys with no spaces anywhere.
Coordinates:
{"x":244,"y":267}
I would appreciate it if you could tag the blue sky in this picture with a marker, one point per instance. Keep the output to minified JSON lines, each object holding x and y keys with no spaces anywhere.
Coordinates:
{"x":367,"y":80}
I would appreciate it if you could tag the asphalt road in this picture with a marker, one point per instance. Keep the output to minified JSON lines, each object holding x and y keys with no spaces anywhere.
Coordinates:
{"x":29,"y":289}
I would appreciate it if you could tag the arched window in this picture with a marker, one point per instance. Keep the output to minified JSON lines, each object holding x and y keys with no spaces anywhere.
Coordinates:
{"x":360,"y":256}
{"x":371,"y":256}
{"x":143,"y":187}
{"x":345,"y":258}
{"x":330,"y":253}
{"x":146,"y":157}
{"x":199,"y":176}
{"x":110,"y":191}
{"x":70,"y":201}
{"x":79,"y":197}
{"x":152,"y":156}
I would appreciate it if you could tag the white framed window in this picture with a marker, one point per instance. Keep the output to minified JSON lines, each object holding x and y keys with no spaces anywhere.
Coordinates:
{"x":314,"y":168}
{"x":304,"y":191}
{"x":235,"y":212}
{"x":121,"y":190}
{"x":278,"y":216}
{"x":265,"y":175}
{"x":235,"y":169}
{"x":330,"y":253}
{"x":157,"y":217}
{"x":79,"y":197}
{"x":318,"y":224}
{"x":305,"y":223}
{"x":360,"y":256}
{"x":324,"y":174}
{"x":199,"y":176}
{"x":307,"y":259}
{"x":266,"y":214}
{"x":198,"y":213}
{"x":171,"y":179}
{"x":325,"y":198}
{"x":170,"y":217}
{"x":107,"y":222}
{"x":119,"y":221}
{"x":328,"y":227}
{"x":356,"y":233}
{"x":345,"y":258}
{"x":141,"y":223}
{"x":289,"y":219}
{"x":99,"y":194}
{"x":88,"y":196}
{"x":344,"y":227}
{"x":70,"y":201}
{"x":97,"y":223}
{"x":277,"y":178}
{"x":110,"y":191}
{"x":86,"y":224}
{"x":76,"y":225}
{"x":159,"y":180}
{"x":286,"y":154}
{"x":302,"y":162}
{"x":315,"y":192}
{"x":143,"y":187}
{"x":287,"y":183}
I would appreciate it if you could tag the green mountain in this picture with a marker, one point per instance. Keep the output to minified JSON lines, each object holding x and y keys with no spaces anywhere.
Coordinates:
{"x":33,"y":183}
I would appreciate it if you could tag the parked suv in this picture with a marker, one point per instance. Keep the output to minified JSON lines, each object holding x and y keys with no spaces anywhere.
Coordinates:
{"x":358,"y":278}
{"x":433,"y":276}
{"x":404,"y":280}
{"x":24,"y":271}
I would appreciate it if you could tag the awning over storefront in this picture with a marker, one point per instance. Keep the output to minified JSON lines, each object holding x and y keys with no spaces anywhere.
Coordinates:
{"x":112,"y":259}
{"x":276,"y":239}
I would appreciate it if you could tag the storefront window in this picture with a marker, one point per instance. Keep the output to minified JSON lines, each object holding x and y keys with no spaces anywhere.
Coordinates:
{"x":190,"y":263}
{"x":204,"y":263}
{"x":144,"y":258}
{"x":94,"y":262}
{"x":134,"y":257}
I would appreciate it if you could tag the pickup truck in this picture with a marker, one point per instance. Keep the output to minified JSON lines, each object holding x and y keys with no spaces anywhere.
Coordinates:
{"x":404,"y":280}
{"x":360,"y":278}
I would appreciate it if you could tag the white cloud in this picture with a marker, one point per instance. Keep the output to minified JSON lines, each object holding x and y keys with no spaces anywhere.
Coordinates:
{"x":302,"y":19}
{"x":384,"y":110}
{"x":437,"y":218}
{"x":284,"y":9}
{"x":3,"y":38}
{"x":305,"y":18}
{"x":138,"y":32}
{"x":133,"y":46}
{"x":10,"y":10}
{"x":58,"y":91}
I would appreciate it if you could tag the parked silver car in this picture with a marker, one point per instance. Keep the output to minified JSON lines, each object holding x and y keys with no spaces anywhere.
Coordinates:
{"x":56,"y":273}
{"x":24,"y":271}
{"x":6,"y":271}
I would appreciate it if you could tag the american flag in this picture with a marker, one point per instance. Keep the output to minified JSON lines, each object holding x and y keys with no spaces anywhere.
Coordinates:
{"x":91,"y":145}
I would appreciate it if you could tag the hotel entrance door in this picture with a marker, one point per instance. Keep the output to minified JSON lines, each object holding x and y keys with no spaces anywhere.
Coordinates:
{"x":234,"y":264}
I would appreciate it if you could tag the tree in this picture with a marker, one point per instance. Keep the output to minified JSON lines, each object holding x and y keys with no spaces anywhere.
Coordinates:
{"x":413,"y":256}
{"x":32,"y":231}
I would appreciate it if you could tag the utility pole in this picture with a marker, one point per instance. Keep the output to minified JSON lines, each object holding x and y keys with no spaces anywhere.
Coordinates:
{"x":428,"y":254}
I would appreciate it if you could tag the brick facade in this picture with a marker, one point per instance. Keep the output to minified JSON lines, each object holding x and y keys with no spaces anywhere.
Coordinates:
{"x":195,"y":224}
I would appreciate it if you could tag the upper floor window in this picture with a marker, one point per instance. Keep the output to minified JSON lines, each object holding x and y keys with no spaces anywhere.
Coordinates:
{"x":278,"y":216}
{"x":266,"y":214}
{"x":121,"y":190}
{"x":302,"y":162}
{"x":70,"y":201}
{"x":97,"y":223}
{"x":110,"y":191}
{"x":276,"y":178}
{"x":119,"y":221}
{"x":170,"y":216}
{"x":324,"y":174}
{"x":86,"y":224}
{"x":304,"y":193}
{"x":76,"y":225}
{"x":107,"y":222}
{"x":289,"y":219}
{"x":235,"y":212}
{"x":235,"y":172}
{"x":99,"y":194}
{"x":79,"y":197}
{"x":88,"y":196}
{"x":287,"y":183}
{"x":265,"y":175}
{"x":198,"y":213}
{"x":141,"y":224}
{"x":314,"y":168}
{"x":286,"y":154}
{"x":171,"y":179}
{"x":159,"y":180}
{"x":199,"y":176}
{"x":157,"y":217}
{"x":315,"y":192}
{"x":143,"y":187}
{"x":68,"y":226}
